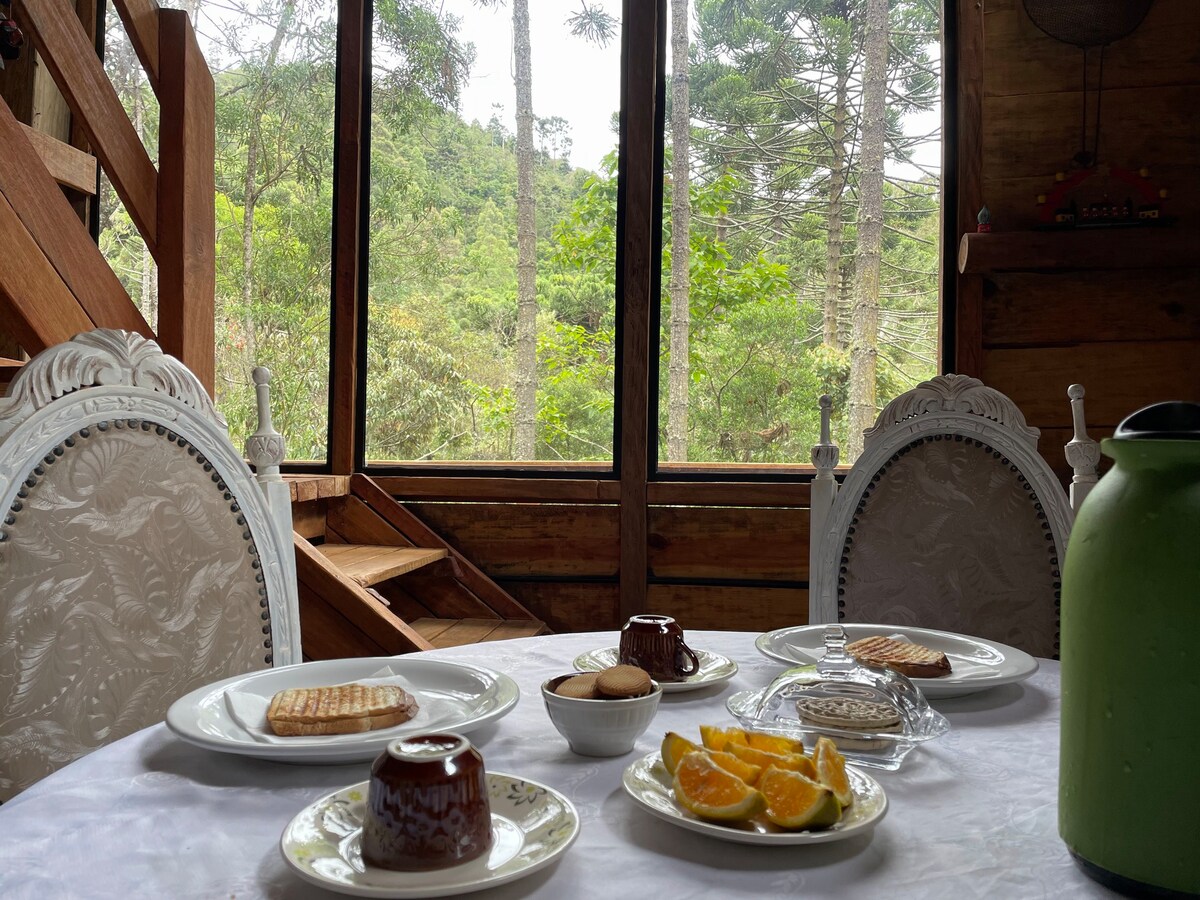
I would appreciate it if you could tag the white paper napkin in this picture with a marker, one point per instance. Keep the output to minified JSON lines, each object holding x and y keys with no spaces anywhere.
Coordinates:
{"x":249,"y":710}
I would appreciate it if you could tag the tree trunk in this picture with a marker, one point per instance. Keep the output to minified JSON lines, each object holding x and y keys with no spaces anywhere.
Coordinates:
{"x":837,"y":185}
{"x":677,"y":387}
{"x":526,"y":412}
{"x":250,"y":183}
{"x":864,"y":332}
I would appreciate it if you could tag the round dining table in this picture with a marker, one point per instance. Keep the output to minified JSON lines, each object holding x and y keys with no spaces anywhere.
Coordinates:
{"x":970,"y":814}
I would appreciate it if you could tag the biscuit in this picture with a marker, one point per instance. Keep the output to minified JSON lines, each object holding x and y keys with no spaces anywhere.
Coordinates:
{"x":623,"y":682}
{"x":580,"y":687}
{"x":850,"y":713}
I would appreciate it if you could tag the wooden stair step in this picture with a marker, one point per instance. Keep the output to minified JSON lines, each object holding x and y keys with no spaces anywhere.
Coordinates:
{"x":368,"y":564}
{"x":457,"y":632}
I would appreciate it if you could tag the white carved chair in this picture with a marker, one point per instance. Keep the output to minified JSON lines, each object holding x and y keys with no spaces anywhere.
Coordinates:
{"x":950,"y":519}
{"x":139,"y":558}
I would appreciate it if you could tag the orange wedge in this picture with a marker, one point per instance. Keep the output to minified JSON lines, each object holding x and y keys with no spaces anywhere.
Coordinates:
{"x":773,"y":743}
{"x":746,"y":771}
{"x":673,"y":747}
{"x":704,"y":788}
{"x":794,"y":762}
{"x":795,"y":802}
{"x":715,"y":738}
{"x":831,"y":770}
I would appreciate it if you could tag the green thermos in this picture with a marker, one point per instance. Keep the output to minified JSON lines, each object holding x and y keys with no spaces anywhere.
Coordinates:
{"x":1129,"y":774}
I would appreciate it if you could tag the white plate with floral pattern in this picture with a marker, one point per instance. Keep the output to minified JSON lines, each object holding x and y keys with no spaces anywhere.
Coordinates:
{"x":714,"y":668}
{"x":532,"y":825}
{"x":649,"y":783}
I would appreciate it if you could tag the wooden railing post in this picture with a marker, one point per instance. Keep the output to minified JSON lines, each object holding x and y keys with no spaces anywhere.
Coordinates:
{"x":186,"y":204}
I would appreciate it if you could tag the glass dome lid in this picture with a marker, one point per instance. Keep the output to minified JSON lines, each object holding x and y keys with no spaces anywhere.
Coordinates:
{"x":875,"y":716}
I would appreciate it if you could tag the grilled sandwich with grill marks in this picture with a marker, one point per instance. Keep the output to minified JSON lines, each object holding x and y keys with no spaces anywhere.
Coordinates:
{"x":906,"y":658}
{"x":342,"y":709}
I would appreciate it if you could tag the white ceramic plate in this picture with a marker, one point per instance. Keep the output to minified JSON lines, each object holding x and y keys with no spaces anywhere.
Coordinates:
{"x":532,"y":824}
{"x":648,"y":782}
{"x":975,"y":664}
{"x":202,"y":717}
{"x":714,"y":668}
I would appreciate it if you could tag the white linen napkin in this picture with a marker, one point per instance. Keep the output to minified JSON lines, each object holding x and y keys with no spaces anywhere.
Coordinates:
{"x":961,"y":667}
{"x":249,"y":710}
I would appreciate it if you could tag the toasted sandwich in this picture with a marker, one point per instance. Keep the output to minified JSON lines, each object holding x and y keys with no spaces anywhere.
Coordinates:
{"x":343,"y":709}
{"x":908,"y":659}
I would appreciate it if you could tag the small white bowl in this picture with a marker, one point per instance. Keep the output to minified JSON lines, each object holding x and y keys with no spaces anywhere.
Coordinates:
{"x":600,"y":727}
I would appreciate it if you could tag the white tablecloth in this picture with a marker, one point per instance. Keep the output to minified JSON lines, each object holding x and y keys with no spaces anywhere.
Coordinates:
{"x":972,"y":814}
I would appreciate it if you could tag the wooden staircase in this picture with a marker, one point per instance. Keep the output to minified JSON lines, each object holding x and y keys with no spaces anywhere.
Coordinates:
{"x":376,"y":581}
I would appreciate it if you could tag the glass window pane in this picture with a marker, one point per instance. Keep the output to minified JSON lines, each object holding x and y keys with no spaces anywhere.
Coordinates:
{"x":273,"y":67}
{"x":801,"y":222}
{"x":492,"y":231}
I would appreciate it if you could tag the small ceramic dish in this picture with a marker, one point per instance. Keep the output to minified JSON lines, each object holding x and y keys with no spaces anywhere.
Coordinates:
{"x":600,"y":727}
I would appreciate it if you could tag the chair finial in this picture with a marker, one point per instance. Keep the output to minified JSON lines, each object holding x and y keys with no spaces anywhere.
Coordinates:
{"x":1081,"y":451}
{"x":825,"y":454}
{"x":265,"y":448}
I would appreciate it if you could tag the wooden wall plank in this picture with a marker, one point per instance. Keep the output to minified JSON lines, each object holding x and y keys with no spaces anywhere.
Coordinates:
{"x":1037,"y":134}
{"x":347,"y":275}
{"x":742,"y":609}
{"x":1023,"y":59}
{"x":1119,"y":378}
{"x":511,"y":540}
{"x":567,"y":606}
{"x":750,"y":544}
{"x":52,"y":222}
{"x":140,"y":18}
{"x":637,"y":226}
{"x":187,"y":206}
{"x":1022,"y":308}
{"x":38,"y":308}
{"x":71,"y":58}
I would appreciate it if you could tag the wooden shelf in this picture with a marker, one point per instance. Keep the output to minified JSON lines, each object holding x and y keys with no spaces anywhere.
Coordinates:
{"x":1085,"y":248}
{"x":368,"y":564}
{"x":457,"y":632}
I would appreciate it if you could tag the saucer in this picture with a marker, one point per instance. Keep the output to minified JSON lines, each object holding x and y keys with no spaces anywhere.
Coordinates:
{"x":714,"y":669}
{"x":532,"y":825}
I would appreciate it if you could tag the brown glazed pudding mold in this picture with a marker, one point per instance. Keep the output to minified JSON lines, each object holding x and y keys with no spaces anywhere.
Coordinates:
{"x":655,"y":643}
{"x":427,"y":805}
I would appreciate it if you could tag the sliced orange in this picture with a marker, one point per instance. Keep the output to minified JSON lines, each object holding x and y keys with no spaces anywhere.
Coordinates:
{"x":746,"y":771}
{"x":795,"y":802}
{"x":716,"y":738}
{"x":831,"y":770}
{"x":773,"y":743}
{"x":673,"y":747}
{"x":704,"y":788}
{"x":794,"y":762}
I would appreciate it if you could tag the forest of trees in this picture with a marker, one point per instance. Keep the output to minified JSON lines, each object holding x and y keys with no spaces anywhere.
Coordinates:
{"x":800,"y":226}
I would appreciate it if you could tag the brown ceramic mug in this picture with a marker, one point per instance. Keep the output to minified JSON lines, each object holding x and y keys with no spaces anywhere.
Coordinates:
{"x":655,"y":643}
{"x":427,"y":805}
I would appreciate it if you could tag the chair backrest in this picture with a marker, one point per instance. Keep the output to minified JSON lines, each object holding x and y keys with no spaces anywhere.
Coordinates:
{"x":139,"y":558}
{"x":950,"y":519}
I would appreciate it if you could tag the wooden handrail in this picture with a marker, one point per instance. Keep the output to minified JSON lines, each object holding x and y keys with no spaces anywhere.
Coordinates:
{"x":64,"y":240}
{"x":37,"y":307}
{"x":69,"y":166}
{"x":140,"y":18}
{"x":79,"y":74}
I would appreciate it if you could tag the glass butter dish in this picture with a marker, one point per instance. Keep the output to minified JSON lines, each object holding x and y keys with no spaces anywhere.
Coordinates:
{"x":875,"y":716}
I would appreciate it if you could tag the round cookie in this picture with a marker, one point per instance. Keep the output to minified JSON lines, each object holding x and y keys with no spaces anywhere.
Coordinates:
{"x":624,"y":682}
{"x":580,"y":687}
{"x":850,"y":713}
